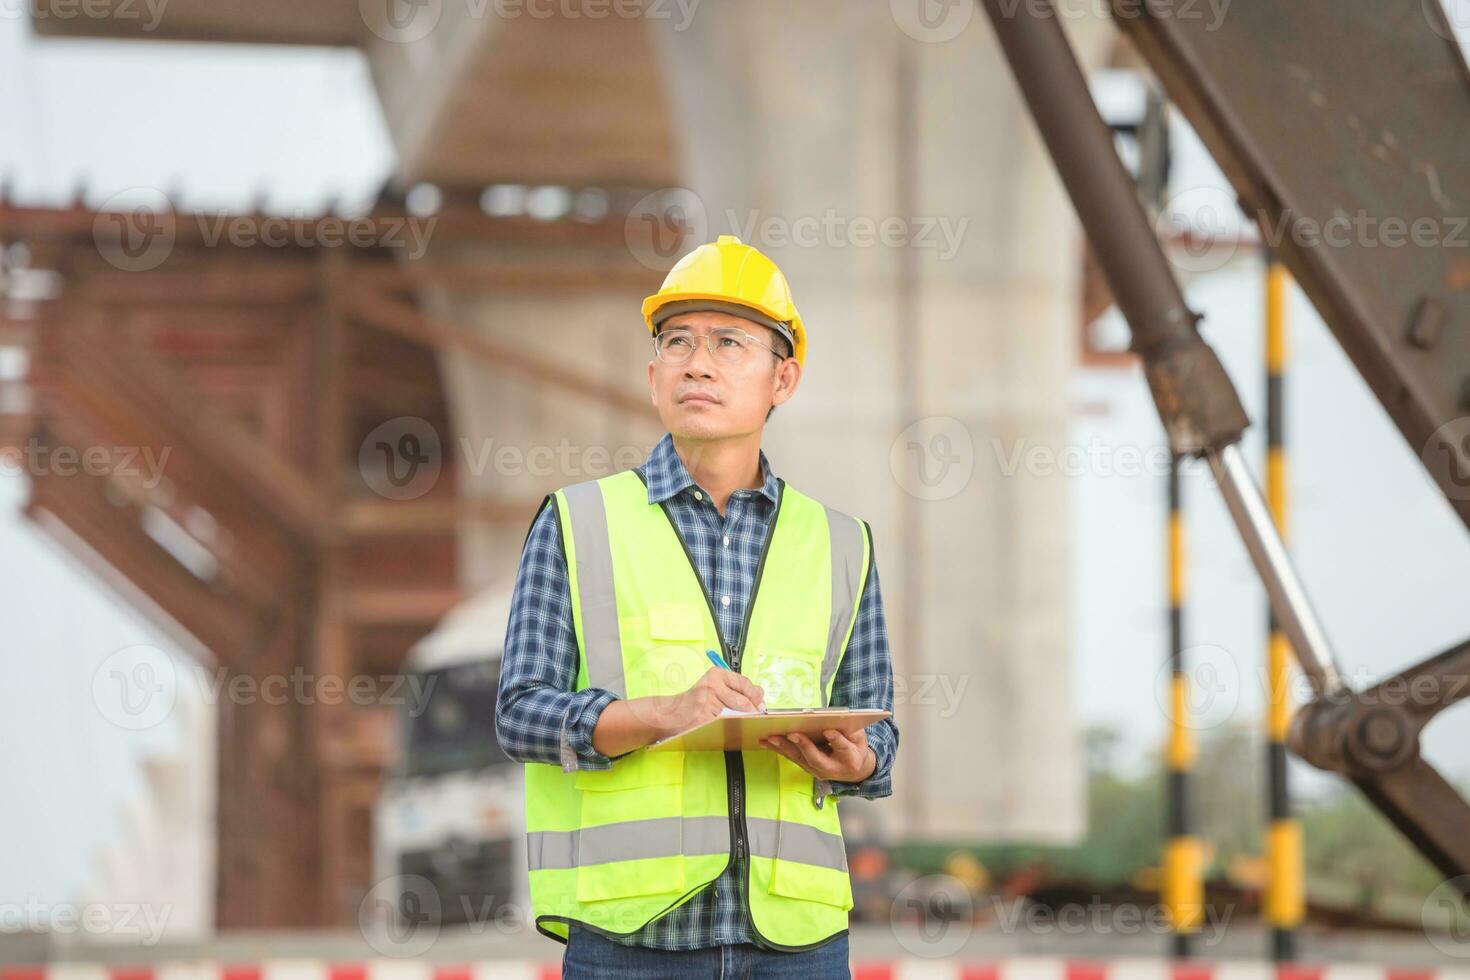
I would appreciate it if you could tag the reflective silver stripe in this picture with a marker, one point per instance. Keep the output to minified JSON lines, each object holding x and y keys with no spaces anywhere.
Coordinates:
{"x":630,"y":840}
{"x":602,"y":644}
{"x":627,"y":840}
{"x":796,"y":842}
{"x":847,"y":582}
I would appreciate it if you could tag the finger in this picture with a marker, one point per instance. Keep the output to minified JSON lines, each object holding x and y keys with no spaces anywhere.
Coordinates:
{"x":745,"y":686}
{"x":816,"y":760}
{"x":732,"y":698}
{"x":838,"y":745}
{"x":787,"y":749}
{"x":847,"y":748}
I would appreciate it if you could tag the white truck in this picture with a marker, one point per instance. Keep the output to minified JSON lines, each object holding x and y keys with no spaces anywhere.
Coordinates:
{"x":449,"y":824}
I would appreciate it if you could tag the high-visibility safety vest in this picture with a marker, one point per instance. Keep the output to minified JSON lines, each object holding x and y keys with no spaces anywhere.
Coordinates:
{"x":611,"y":850}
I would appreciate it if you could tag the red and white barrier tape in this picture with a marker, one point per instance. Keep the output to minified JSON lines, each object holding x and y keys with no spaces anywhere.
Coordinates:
{"x":1021,"y":968}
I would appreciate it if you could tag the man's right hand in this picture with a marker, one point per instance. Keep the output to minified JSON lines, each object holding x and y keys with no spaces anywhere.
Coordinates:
{"x":625,"y":725}
{"x":717,"y":690}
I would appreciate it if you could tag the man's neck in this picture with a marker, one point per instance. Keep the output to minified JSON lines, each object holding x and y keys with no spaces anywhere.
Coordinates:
{"x":722,"y":466}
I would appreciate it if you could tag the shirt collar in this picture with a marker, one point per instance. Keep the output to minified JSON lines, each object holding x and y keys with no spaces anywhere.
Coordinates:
{"x":666,"y":475}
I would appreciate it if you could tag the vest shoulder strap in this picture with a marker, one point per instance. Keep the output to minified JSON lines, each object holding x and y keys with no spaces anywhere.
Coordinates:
{"x":582,"y":509}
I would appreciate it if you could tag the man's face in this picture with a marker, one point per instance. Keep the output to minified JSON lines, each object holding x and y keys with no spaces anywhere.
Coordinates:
{"x":708,"y":398}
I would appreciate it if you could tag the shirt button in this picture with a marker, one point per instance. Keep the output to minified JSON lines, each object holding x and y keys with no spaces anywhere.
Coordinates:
{"x":698,"y":495}
{"x":727,"y":541}
{"x":724,"y":600}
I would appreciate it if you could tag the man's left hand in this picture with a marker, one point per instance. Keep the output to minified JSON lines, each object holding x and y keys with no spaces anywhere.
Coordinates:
{"x":844,"y":759}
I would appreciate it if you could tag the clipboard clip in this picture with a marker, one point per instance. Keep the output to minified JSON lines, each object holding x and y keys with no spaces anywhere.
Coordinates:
{"x":821,"y":789}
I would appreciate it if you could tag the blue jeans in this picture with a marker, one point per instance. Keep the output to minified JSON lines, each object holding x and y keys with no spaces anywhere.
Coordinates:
{"x":589,"y":956}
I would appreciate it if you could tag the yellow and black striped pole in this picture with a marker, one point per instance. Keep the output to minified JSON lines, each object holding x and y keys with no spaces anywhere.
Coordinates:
{"x":1284,"y":892}
{"x":1183,"y":891}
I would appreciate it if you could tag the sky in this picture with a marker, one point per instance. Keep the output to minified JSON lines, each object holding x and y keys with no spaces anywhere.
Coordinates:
{"x":1383,"y":555}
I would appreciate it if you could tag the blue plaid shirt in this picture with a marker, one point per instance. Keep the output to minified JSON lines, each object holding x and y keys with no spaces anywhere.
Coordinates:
{"x":540,"y":719}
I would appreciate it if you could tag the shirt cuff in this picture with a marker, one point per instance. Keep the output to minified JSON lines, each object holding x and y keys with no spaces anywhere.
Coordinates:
{"x":878,"y":784}
{"x":576,"y":730}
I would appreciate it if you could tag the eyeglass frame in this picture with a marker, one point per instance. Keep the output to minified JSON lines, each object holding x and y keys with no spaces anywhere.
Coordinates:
{"x":658,"y":354}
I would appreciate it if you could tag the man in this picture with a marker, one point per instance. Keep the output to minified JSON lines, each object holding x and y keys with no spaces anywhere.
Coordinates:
{"x":696,"y":864}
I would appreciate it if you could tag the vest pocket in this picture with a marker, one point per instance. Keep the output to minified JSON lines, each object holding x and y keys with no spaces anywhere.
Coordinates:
{"x":670,"y":656}
{"x":629,"y":841}
{"x":790,"y":678}
{"x":811,"y":861}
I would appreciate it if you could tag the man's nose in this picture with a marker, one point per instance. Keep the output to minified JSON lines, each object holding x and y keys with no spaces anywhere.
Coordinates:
{"x":701,"y":361}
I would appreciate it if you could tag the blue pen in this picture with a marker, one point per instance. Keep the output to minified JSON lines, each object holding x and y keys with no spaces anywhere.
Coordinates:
{"x":719,"y":661}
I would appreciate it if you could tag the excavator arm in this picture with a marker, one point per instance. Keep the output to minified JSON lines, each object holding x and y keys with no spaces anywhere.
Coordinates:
{"x":1356,"y":170}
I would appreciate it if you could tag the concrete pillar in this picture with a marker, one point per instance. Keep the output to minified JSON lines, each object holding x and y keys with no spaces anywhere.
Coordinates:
{"x":817,"y":132}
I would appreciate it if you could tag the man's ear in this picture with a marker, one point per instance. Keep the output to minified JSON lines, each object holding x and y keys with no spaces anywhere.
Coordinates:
{"x":652,"y":393}
{"x":788,"y":376}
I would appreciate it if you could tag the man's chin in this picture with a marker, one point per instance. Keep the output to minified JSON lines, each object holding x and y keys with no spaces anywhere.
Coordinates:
{"x":699,"y":423}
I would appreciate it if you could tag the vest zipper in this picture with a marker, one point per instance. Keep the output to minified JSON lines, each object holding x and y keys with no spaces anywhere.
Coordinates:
{"x":734,"y":765}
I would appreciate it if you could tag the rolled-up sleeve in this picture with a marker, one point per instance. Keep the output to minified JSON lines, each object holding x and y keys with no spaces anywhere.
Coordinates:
{"x":538,"y":717}
{"x":865,"y":680}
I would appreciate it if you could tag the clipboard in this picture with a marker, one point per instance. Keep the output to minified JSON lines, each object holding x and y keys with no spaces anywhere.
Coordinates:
{"x":744,"y":729}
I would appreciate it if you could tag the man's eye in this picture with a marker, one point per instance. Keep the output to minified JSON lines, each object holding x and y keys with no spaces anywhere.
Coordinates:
{"x":678,"y":342}
{"x":731,"y":341}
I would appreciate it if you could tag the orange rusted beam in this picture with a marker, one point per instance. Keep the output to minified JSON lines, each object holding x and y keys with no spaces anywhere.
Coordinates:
{"x":398,"y":317}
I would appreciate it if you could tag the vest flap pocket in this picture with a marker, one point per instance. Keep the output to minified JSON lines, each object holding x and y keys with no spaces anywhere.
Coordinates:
{"x":675,"y":621}
{"x":811,"y":858}
{"x":823,"y":885}
{"x":630,"y":842}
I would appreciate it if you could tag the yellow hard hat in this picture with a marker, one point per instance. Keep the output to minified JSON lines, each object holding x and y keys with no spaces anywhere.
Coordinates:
{"x":729,"y":276}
